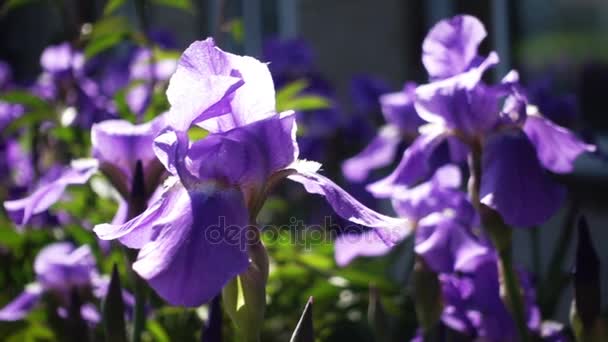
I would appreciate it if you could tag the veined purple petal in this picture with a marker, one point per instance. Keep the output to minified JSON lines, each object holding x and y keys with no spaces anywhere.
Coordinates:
{"x":199,"y":246}
{"x":380,"y":152}
{"x":23,"y":304}
{"x":451,"y":46}
{"x":253,"y":101}
{"x":201,"y":85}
{"x":140,"y":230}
{"x":21,"y":210}
{"x":514,"y":183}
{"x":414,"y":165}
{"x":348,"y":246}
{"x":391,"y":230}
{"x":556,"y":147}
{"x":246,"y":155}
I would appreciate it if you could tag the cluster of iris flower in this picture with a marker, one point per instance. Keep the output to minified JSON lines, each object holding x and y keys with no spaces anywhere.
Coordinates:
{"x":189,"y":206}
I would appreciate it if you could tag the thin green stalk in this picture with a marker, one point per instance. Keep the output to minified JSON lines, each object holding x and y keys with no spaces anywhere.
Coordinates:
{"x":514,"y":298}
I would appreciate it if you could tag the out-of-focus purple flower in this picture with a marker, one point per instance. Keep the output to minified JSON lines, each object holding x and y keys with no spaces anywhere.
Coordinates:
{"x":516,"y":145}
{"x":451,"y":45}
{"x":473,"y":306}
{"x":402,"y":124}
{"x":117,"y":147}
{"x":439,"y":194}
{"x":49,"y":190}
{"x":9,"y":112}
{"x":561,"y":109}
{"x":61,"y":60}
{"x":60,"y":268}
{"x":6,"y":75}
{"x":193,"y":240}
{"x":292,"y":56}
{"x":366,"y":91}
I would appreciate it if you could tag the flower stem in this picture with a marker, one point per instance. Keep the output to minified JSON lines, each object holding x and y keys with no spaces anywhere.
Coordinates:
{"x":513,"y":295}
{"x":501,"y":236}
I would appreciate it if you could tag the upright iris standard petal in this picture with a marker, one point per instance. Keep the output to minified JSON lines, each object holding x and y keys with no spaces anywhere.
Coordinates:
{"x":557,"y":148}
{"x":119,"y":145}
{"x":21,"y":210}
{"x":219,"y":90}
{"x":391,"y":230}
{"x":463,"y":102}
{"x":451,"y":45}
{"x":23,"y":304}
{"x":414,"y":165}
{"x":199,"y":247}
{"x":201,"y":84}
{"x":253,"y":101}
{"x":380,"y":152}
{"x":511,"y":170}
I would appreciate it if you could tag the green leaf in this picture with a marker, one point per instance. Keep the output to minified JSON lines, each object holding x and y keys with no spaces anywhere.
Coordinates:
{"x":196,"y":133}
{"x":291,"y":90}
{"x":107,"y":33}
{"x":305,"y":103}
{"x":25,"y":98}
{"x":157,"y":331}
{"x":112,"y":5}
{"x":237,"y":29}
{"x":114,"y":310}
{"x":185,"y":5}
{"x":304,"y":331}
{"x":244,"y":297}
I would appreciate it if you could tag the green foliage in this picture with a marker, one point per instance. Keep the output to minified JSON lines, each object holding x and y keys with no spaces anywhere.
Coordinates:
{"x":291,"y":97}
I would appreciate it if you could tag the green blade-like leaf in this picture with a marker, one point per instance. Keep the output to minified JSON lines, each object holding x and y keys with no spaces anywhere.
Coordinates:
{"x":185,"y":5}
{"x":305,"y":103}
{"x":114,"y":311}
{"x":304,"y":331}
{"x":291,"y":90}
{"x":112,"y":6}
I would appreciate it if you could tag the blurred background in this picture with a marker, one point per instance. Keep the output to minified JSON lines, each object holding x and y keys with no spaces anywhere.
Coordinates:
{"x":349,"y":52}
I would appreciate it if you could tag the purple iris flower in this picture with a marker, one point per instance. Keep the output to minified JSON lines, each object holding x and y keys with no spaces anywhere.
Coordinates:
{"x":464,"y":259}
{"x":517,"y":145}
{"x":402,"y":124}
{"x":60,"y":268}
{"x":118,"y":146}
{"x":193,"y":240}
{"x":473,"y":306}
{"x":440,"y":193}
